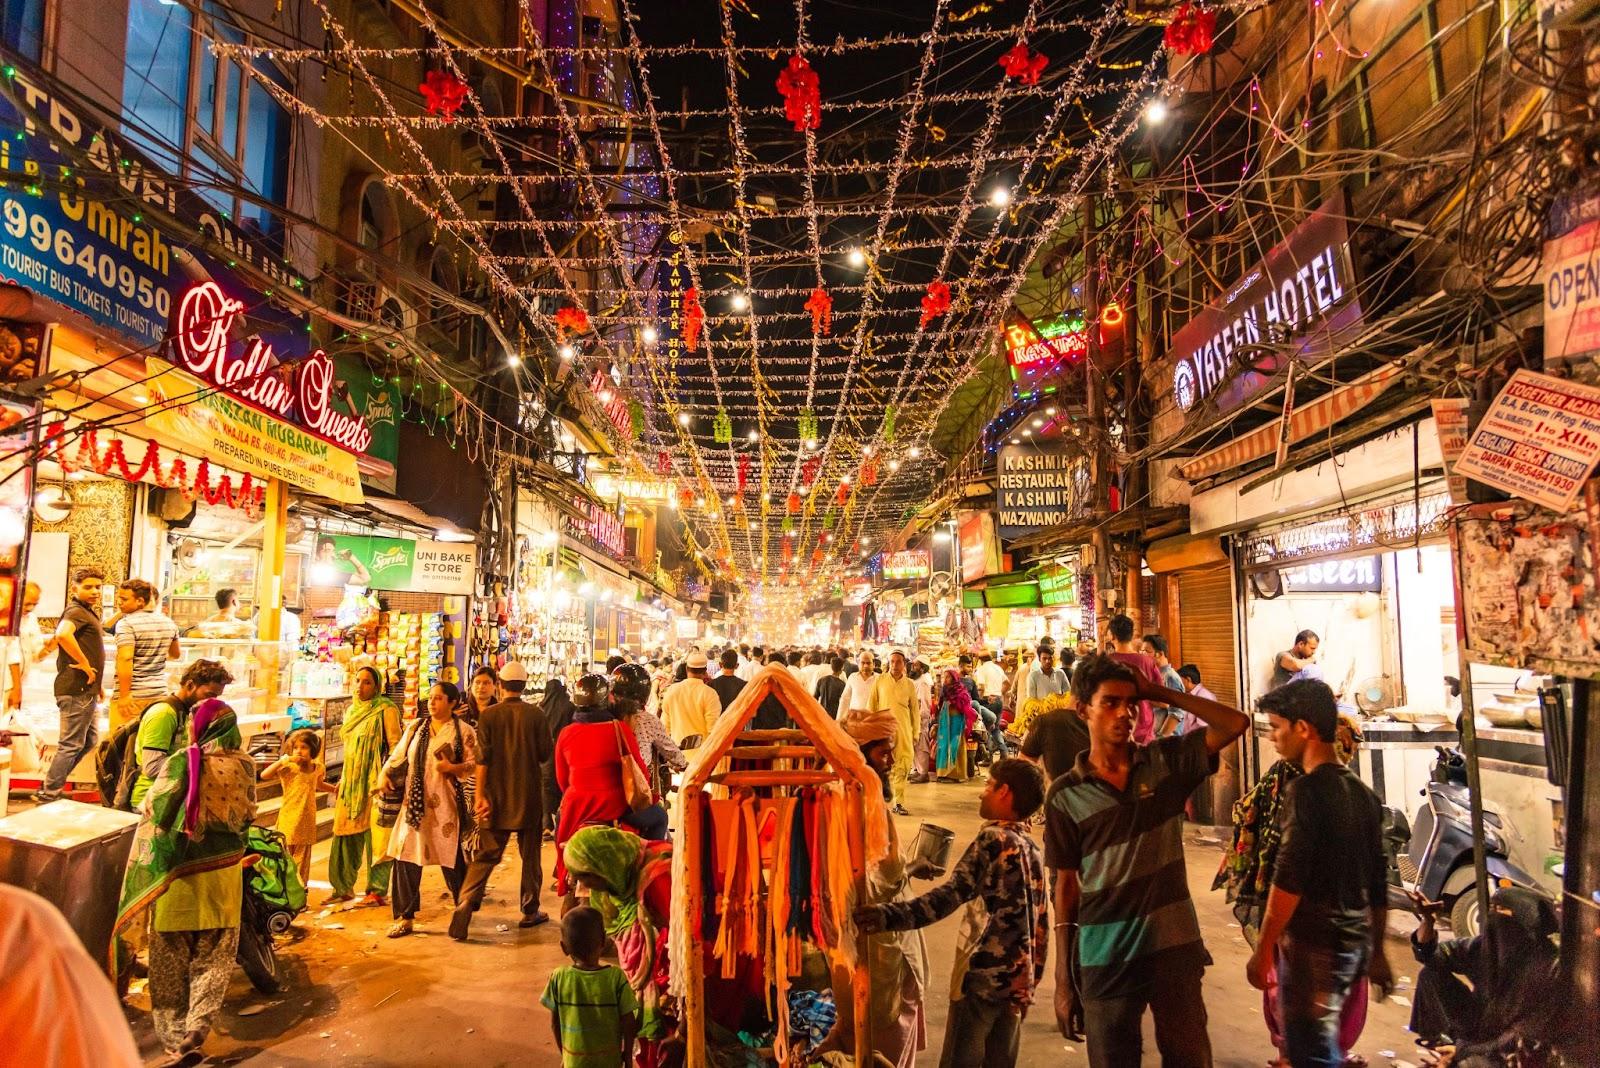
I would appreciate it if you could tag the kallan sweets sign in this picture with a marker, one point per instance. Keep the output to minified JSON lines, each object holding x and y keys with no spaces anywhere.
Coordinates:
{"x":301,"y":392}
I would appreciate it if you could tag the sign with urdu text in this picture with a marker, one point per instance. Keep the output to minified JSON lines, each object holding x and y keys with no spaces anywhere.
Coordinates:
{"x":1539,"y":440}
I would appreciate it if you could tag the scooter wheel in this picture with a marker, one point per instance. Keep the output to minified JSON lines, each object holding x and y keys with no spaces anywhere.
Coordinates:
{"x":1465,"y":919}
{"x":255,"y":956}
{"x":279,"y":922}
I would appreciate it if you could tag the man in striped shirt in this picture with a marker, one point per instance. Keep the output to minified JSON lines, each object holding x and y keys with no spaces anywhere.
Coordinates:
{"x":146,"y":640}
{"x":1114,"y":836}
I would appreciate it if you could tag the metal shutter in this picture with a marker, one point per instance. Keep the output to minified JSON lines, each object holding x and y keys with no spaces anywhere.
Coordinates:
{"x":1205,"y":629}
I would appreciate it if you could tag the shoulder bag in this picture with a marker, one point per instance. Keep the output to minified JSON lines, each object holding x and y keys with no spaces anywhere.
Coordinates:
{"x":635,"y":787}
{"x":392,"y":795}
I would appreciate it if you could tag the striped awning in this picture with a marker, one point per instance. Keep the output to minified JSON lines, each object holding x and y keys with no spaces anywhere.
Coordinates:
{"x":1305,"y":421}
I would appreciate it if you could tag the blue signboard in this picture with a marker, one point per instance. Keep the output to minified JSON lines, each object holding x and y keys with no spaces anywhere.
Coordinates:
{"x":86,"y":234}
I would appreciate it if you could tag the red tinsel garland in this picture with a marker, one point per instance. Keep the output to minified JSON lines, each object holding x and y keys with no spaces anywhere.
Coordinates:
{"x":820,"y":305}
{"x":809,"y":469}
{"x":794,"y":503}
{"x":1020,"y":65}
{"x":936,"y":303}
{"x":694,"y":319}
{"x":844,"y":493}
{"x":744,"y":472}
{"x":802,"y":98}
{"x":663,"y":463}
{"x":444,"y":92}
{"x":1192,"y":30}
{"x":869,"y":473}
{"x":250,"y":496}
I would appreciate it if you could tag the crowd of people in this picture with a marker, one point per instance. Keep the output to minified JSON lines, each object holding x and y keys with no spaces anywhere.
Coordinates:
{"x":1103,"y":747}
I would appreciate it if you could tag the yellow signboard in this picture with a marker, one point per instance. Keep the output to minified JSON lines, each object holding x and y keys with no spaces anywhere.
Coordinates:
{"x":241,"y":436}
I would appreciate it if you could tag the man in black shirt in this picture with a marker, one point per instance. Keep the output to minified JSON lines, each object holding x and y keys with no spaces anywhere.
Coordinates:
{"x":80,"y":659}
{"x":830,"y":687}
{"x":728,"y":684}
{"x":1326,"y":912}
{"x":1055,"y":738}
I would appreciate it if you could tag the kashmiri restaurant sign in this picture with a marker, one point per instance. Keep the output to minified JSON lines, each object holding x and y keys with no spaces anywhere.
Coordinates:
{"x":1297,"y":298}
{"x":242,"y":406}
{"x":1065,"y":337}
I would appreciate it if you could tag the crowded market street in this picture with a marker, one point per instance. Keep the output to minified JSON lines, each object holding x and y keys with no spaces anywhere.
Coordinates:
{"x":356,"y":999}
{"x":800,"y":533}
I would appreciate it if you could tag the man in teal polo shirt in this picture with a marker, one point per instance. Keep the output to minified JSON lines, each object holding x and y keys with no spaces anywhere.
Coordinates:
{"x":1114,"y":837}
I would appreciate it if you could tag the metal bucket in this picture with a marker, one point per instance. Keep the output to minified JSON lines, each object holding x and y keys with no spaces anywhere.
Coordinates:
{"x":933,"y":844}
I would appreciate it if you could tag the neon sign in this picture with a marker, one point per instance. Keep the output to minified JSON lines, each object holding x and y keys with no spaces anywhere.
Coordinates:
{"x":200,"y":339}
{"x":1063,"y":338}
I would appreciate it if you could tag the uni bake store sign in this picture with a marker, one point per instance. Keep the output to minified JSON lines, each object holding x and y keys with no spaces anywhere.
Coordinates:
{"x":1294,"y":301}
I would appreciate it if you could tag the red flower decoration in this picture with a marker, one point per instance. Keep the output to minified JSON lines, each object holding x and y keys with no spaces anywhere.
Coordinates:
{"x":809,"y":469}
{"x":820,"y":305}
{"x":936,"y":303}
{"x":844,"y":493}
{"x":1191,"y":31}
{"x":573,"y":319}
{"x":444,"y":92}
{"x":685,"y":497}
{"x":663,"y":463}
{"x":802,"y":100}
{"x":694,"y":319}
{"x":794,"y":503}
{"x":1020,"y":65}
{"x":744,"y":472}
{"x":869,"y":473}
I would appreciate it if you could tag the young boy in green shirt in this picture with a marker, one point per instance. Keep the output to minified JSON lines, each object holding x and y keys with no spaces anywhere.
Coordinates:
{"x":593,"y":1011}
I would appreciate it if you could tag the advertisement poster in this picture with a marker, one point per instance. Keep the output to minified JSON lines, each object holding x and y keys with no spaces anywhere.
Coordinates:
{"x":1450,"y":422}
{"x":980,"y":546}
{"x":1539,"y":440}
{"x":374,"y":398}
{"x":394,"y":564}
{"x":906,"y":564}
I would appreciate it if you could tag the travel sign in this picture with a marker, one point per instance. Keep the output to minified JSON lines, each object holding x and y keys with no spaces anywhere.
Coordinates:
{"x":1295,"y":298}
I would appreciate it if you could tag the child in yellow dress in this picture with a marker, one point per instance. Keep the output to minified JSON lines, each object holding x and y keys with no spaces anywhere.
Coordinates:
{"x":301,"y":774}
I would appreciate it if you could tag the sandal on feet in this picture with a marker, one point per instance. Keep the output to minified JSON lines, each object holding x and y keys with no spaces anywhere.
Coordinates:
{"x":537,"y":919}
{"x":370,"y":900}
{"x":400,"y":929}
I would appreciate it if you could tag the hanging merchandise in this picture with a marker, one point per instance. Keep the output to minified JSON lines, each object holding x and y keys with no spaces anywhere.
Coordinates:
{"x":820,"y":305}
{"x":935,"y":303}
{"x":802,"y":97}
{"x":694,"y":319}
{"x":869,"y":622}
{"x":722,"y":428}
{"x":572,"y":320}
{"x":1024,"y":68}
{"x":444,"y":92}
{"x":1191,"y":31}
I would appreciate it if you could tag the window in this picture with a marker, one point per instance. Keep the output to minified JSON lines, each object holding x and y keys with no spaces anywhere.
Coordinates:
{"x":22,"y":27}
{"x":204,"y":116}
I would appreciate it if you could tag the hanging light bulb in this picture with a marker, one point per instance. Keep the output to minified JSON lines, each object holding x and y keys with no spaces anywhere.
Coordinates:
{"x":566,"y":352}
{"x":648,"y":335}
{"x":684,"y":418}
{"x":999,"y":197}
{"x":753,"y":436}
{"x":740,"y":302}
{"x":1156,"y":113}
{"x":856,"y":257}
{"x":512,"y":359}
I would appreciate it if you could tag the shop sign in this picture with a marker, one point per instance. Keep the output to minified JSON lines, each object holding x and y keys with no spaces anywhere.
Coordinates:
{"x":1298,"y":296}
{"x":85,"y":235}
{"x":397,"y":564}
{"x":216,"y":425}
{"x":907,"y":564}
{"x":636,"y":490}
{"x":1058,"y":586}
{"x":1571,"y":274}
{"x":1065,"y":337}
{"x":857,"y":591}
{"x":980,"y":546}
{"x":611,"y":401}
{"x":1038,"y":486}
{"x":1357,"y":574}
{"x":672,"y":278}
{"x":1539,"y":440}
{"x":603,"y":527}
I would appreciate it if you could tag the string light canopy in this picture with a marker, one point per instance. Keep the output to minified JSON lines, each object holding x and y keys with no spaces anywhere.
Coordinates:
{"x":781,"y":274}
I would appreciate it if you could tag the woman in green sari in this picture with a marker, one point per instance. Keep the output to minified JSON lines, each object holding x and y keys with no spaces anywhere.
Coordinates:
{"x":371,"y":729}
{"x":184,"y":865}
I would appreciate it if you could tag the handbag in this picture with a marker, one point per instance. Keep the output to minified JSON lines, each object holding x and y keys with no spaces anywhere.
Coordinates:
{"x":466,"y":800}
{"x":635,"y":787}
{"x":391,"y":795}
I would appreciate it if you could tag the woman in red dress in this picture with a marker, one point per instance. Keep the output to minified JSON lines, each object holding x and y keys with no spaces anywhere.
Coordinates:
{"x":589,"y":770}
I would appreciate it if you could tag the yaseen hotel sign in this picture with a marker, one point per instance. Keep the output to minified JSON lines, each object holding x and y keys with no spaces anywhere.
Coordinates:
{"x":1302,"y":293}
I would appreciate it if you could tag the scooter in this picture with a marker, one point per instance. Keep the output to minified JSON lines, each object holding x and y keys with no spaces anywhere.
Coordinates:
{"x":1436,"y":859}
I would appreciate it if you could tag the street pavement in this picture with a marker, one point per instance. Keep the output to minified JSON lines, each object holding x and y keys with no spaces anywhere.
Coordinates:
{"x":354,"y":997}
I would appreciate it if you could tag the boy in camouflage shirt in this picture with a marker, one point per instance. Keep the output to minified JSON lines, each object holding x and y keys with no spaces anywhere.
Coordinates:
{"x":1005,"y":932}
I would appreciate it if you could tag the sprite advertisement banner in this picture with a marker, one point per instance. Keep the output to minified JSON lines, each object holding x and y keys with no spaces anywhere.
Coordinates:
{"x":375,"y":399}
{"x":394,"y":564}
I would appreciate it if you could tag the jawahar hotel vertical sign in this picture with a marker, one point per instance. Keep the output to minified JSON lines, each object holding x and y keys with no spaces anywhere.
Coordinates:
{"x":1298,"y":298}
